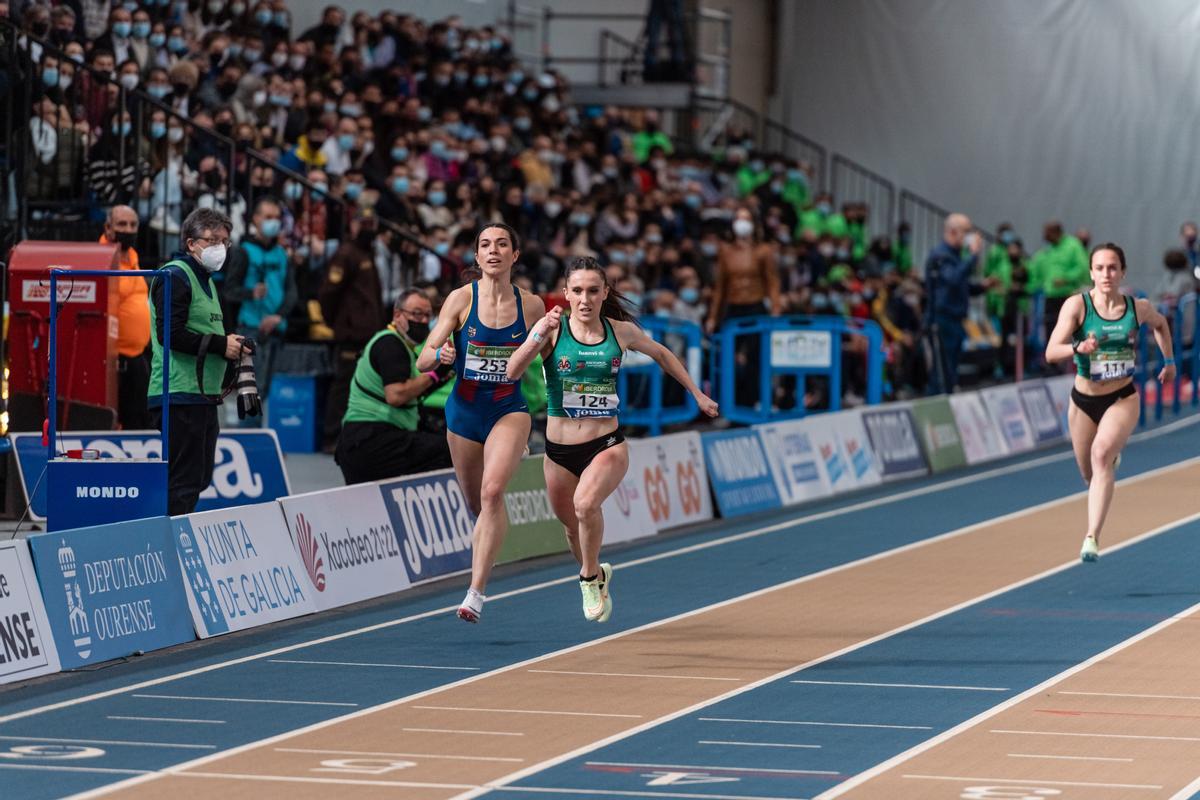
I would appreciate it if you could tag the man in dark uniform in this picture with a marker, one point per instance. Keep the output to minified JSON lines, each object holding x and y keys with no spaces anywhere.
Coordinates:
{"x":379,"y":436}
{"x":352,"y":303}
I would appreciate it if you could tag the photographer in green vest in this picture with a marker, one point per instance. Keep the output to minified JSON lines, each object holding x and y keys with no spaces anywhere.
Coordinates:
{"x":379,"y":437}
{"x":200,"y":352}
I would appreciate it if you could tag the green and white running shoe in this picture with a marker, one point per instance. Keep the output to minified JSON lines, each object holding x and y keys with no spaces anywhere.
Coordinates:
{"x":605,"y":580}
{"x":1090,"y":550}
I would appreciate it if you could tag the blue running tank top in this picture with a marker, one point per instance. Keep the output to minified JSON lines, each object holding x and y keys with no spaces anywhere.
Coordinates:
{"x":481,"y":363}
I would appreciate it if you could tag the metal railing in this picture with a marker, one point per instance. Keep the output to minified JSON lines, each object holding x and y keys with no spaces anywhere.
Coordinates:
{"x":852,"y":182}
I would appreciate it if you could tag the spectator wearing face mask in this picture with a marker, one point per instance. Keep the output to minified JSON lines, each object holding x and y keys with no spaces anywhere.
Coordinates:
{"x":260,"y":291}
{"x":998,"y":265}
{"x":183,"y":76}
{"x":309,"y":151}
{"x":118,"y":39}
{"x":133,"y":322}
{"x":113,"y":163}
{"x":1176,"y":281}
{"x":649,"y":138}
{"x":351,"y":303}
{"x":434,"y":212}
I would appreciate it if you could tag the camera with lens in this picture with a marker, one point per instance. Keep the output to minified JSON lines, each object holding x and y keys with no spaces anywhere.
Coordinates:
{"x":249,"y":404}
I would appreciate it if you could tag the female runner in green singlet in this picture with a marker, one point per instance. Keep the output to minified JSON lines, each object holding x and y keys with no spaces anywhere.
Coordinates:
{"x":1099,"y":329}
{"x":586,"y":454}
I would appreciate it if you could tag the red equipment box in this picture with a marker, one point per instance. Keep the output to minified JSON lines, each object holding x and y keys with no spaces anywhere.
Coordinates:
{"x":87,"y":336}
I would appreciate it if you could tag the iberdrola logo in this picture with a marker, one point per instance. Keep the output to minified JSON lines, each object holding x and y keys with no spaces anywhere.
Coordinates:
{"x":310,"y":553}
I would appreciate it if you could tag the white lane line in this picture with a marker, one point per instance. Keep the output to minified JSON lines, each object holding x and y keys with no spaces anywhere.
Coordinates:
{"x":529,"y":711}
{"x":237,"y":776}
{"x":456,"y":731}
{"x":101,"y":791}
{"x":1066,"y":758}
{"x":695,"y":768}
{"x":394,"y":755}
{"x":762,"y":744}
{"x":616,"y":793}
{"x":908,"y":686}
{"x":368,"y":664}
{"x":1188,"y":791}
{"x":114,"y":742}
{"x":1036,"y":782}
{"x":171,"y":719}
{"x":634,"y":675}
{"x":1142,"y":696}
{"x":1032,"y":692}
{"x":920,"y":491}
{"x":820,"y":724}
{"x":1103,"y":735}
{"x":250,"y":699}
{"x":59,"y":768}
{"x":580,"y":751}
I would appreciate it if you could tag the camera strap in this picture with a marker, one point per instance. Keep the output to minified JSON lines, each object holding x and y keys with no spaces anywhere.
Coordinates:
{"x":205,"y":341}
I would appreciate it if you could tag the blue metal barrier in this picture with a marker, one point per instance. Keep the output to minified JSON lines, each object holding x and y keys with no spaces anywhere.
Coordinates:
{"x":1187,"y":357}
{"x":652,"y":413}
{"x":797,"y":345}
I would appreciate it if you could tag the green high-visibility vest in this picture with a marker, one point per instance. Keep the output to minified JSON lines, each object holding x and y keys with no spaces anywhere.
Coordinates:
{"x":204,"y":317}
{"x":368,"y":400}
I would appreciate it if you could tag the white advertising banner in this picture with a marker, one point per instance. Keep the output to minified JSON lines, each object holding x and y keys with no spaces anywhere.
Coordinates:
{"x":1040,"y":411}
{"x":981,"y":438}
{"x":240,"y":569}
{"x":852,"y":435}
{"x":1060,"y":387}
{"x":626,"y":512}
{"x":795,"y":462}
{"x":835,"y":462}
{"x":1004,"y":404}
{"x":26,"y":641}
{"x":673,"y":475}
{"x":346,"y":544}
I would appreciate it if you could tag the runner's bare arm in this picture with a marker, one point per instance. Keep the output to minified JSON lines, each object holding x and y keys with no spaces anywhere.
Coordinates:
{"x":1148,"y":314}
{"x":542,"y":337}
{"x":632,"y":337}
{"x":1058,"y":346}
{"x":439,"y":345}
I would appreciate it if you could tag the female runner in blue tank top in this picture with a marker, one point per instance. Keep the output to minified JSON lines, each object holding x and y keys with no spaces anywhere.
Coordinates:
{"x":1099,"y":329}
{"x":586,"y":455}
{"x":479,"y":328}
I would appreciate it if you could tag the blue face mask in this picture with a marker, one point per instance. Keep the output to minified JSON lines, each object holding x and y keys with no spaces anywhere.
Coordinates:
{"x":437,"y":198}
{"x":689,"y":294}
{"x":399,"y":154}
{"x":141,"y":29}
{"x":157,"y":39}
{"x":177,"y":44}
{"x":353,"y":190}
{"x":158,"y":130}
{"x":281,"y":19}
{"x":438,"y":149}
{"x":581,"y":219}
{"x":424,"y":114}
{"x":441,"y":248}
{"x":794,"y":175}
{"x":693,"y":200}
{"x":252,"y":55}
{"x":263,"y":17}
{"x":522,"y":123}
{"x":234,"y":50}
{"x":281,"y":100}
{"x":824,"y":209}
{"x":269,"y":228}
{"x":617,"y":257}
{"x":321,"y":188}
{"x":50,"y":77}
{"x":400,"y":185}
{"x":122,"y":128}
{"x":350,"y":110}
{"x":158,"y":91}
{"x":530,"y":94}
{"x":635,"y":300}
{"x":293,"y":191}
{"x":121,"y":29}
{"x":516,"y":76}
{"x":481,"y":81}
{"x":346,"y":141}
{"x":1008,"y":237}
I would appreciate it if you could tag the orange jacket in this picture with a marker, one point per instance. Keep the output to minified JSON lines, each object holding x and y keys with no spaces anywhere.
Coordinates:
{"x":133,"y":312}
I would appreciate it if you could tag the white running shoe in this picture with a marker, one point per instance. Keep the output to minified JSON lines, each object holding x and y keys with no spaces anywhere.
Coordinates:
{"x":605,"y":581}
{"x":593,"y":600}
{"x":1090,"y":551}
{"x":471,"y":608}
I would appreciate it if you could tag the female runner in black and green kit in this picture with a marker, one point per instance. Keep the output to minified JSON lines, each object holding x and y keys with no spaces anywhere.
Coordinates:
{"x":1099,"y":329}
{"x":586,"y":454}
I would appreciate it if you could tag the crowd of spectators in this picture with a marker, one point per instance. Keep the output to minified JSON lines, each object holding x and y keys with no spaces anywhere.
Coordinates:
{"x":396,"y":124}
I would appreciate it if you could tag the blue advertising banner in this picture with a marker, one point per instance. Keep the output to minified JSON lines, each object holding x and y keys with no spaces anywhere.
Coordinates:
{"x":432,"y":522}
{"x":893,"y":437}
{"x":739,"y":473}
{"x":112,"y":590}
{"x":249,"y":466}
{"x":1040,"y":410}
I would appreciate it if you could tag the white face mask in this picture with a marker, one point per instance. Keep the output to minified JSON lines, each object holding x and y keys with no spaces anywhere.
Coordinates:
{"x":213,"y":257}
{"x":742,"y":228}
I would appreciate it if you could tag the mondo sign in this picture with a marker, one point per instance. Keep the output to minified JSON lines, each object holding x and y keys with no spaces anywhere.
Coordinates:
{"x":674,"y":478}
{"x":346,"y":544}
{"x":741,"y":477}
